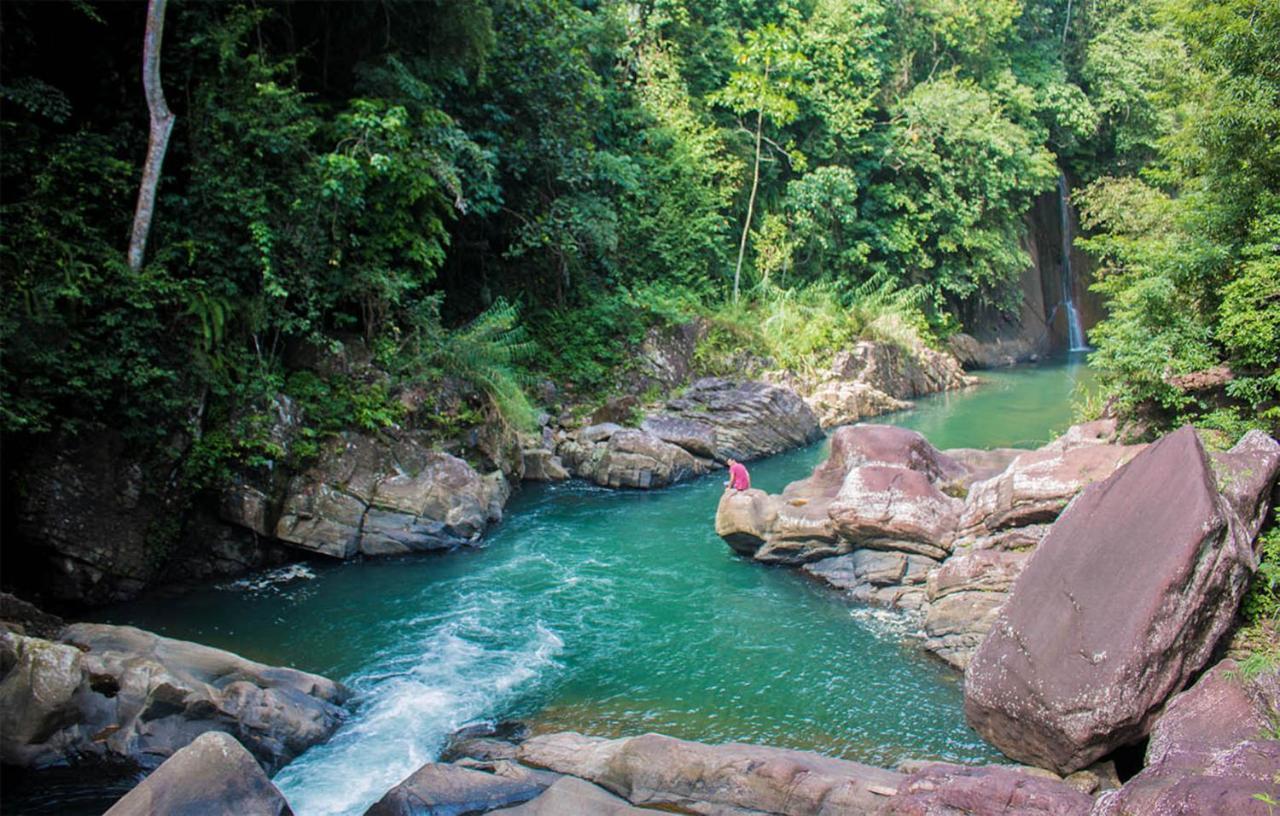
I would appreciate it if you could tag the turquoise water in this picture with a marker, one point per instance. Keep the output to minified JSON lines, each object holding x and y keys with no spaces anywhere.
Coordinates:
{"x":612,"y":613}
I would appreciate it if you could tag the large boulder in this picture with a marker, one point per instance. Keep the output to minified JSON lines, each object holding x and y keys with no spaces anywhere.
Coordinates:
{"x":839,"y":403}
{"x":670,"y":774}
{"x":214,"y":774}
{"x":1207,"y":754}
{"x":386,"y":497}
{"x":734,"y":419}
{"x":894,"y":508}
{"x":990,"y":790}
{"x":899,"y":372}
{"x":1118,"y":608}
{"x":438,"y":788}
{"x":878,"y":488}
{"x":627,"y":457}
{"x":116,"y":692}
{"x":777,"y":529}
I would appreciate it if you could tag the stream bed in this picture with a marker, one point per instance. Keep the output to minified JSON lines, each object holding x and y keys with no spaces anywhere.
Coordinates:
{"x":611,"y":613}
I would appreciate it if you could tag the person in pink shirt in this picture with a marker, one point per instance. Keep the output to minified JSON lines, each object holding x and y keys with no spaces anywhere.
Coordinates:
{"x":739,"y":479}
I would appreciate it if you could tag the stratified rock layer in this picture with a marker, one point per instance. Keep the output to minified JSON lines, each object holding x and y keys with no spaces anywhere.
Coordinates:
{"x":1120,"y":605}
{"x":214,"y":774}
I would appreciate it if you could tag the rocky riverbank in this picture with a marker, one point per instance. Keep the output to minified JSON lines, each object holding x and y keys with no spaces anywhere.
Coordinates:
{"x":99,"y":524}
{"x":1080,"y":586}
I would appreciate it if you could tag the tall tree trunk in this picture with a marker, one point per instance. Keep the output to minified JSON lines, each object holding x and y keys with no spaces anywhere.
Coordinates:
{"x":158,"y":141}
{"x":751,"y":203}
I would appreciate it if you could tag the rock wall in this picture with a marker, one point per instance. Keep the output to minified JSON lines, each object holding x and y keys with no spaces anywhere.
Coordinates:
{"x":1037,"y":324}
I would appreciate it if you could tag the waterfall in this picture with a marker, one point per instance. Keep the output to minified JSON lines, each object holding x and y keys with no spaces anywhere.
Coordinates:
{"x":1075,"y":332}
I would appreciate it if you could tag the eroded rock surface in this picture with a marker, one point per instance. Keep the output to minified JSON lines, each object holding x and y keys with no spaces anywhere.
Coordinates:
{"x":1120,"y":605}
{"x":378,"y":497}
{"x":744,"y":420}
{"x":714,"y":420}
{"x":120,"y":692}
{"x":990,"y":790}
{"x":214,"y":774}
{"x":1208,"y":753}
{"x":661,"y":772}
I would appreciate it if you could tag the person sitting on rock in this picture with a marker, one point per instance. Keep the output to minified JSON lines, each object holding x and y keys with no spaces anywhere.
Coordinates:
{"x":739,"y":479}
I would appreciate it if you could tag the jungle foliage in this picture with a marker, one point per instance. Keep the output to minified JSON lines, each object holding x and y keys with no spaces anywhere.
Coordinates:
{"x":500,"y":190}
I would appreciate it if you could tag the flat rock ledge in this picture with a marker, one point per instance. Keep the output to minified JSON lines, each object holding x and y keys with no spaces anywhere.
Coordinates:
{"x":104,"y":692}
{"x":569,"y":774}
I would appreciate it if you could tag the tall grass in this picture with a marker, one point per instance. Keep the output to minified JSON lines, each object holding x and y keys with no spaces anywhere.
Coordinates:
{"x":802,"y":328}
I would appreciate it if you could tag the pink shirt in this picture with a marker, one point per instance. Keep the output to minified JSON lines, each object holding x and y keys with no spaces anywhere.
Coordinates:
{"x":738,"y":477}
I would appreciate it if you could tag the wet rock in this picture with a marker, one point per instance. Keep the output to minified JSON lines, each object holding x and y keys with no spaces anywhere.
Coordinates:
{"x":666,"y":773}
{"x":378,"y":497}
{"x":438,"y":788}
{"x":119,"y":692}
{"x":880,"y":578}
{"x":990,"y":790}
{"x":747,"y":419}
{"x":214,"y":774}
{"x":541,"y":465}
{"x":1120,"y":605}
{"x":571,"y":796}
{"x":37,"y":694}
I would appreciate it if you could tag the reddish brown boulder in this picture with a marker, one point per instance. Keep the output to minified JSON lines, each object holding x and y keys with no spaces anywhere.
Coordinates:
{"x":1119,"y":606}
{"x":862,"y":445}
{"x":1207,"y":754}
{"x":990,"y":790}
{"x":1038,"y":485}
{"x":894,"y":508}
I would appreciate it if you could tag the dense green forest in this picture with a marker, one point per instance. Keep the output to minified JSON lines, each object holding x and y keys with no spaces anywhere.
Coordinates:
{"x":499,"y":192}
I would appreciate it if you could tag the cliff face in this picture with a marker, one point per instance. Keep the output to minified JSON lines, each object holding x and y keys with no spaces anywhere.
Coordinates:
{"x":1040,"y":324}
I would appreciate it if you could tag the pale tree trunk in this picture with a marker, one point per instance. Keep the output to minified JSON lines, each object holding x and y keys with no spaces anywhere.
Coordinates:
{"x":158,"y":141}
{"x":751,"y":203}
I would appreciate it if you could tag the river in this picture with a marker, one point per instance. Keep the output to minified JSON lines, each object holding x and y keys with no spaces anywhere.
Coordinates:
{"x":612,"y":613}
